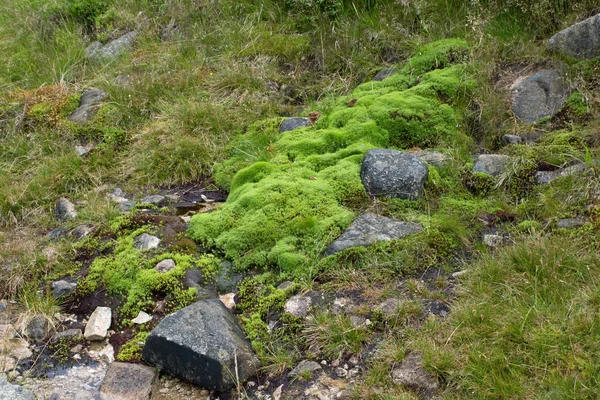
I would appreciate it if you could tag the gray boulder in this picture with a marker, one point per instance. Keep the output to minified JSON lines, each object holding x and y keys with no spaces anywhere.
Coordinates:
{"x":392,"y":173}
{"x":545,"y":177}
{"x":511,"y":139}
{"x":88,"y":106}
{"x":298,"y":305}
{"x":112,"y":49}
{"x":491,"y":164}
{"x":63,"y":288}
{"x":125,"y":381}
{"x":146,"y":242}
{"x":384,"y":73}
{"x":13,"y":392}
{"x":202,"y":343}
{"x":368,"y":229}
{"x":539,"y":96}
{"x":581,"y":40}
{"x":294,"y":123}
{"x":64,"y":210}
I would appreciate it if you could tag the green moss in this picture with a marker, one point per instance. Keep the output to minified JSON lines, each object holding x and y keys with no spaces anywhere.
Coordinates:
{"x":132,"y":349}
{"x":40,"y":112}
{"x":577,"y":104}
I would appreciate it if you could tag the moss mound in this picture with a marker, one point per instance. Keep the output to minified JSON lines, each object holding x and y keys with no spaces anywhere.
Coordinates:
{"x":292,"y":194}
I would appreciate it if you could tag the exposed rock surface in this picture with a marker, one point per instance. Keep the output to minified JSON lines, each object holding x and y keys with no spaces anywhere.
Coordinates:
{"x":294,"y":123}
{"x":298,"y":305}
{"x":98,"y":324}
{"x":581,"y":40}
{"x":63,"y":288}
{"x":154,"y":199}
{"x":511,"y":139}
{"x":570,"y":223}
{"x":392,"y":173}
{"x":491,"y":164}
{"x":146,"y":242}
{"x":384,"y":73}
{"x":81,"y":231}
{"x":112,"y":49}
{"x":77,"y":383}
{"x":304,"y":367}
{"x":64,"y":210}
{"x":544,"y":177}
{"x":165,"y":265}
{"x":494,"y":239}
{"x":434,"y":158}
{"x":412,"y":375}
{"x":125,"y":381}
{"x":539,"y":96}
{"x":390,"y":307}
{"x":368,"y":229}
{"x":201,"y":343}
{"x":69,"y":334}
{"x":88,"y":106}
{"x":13,"y":392}
{"x":37,"y":328}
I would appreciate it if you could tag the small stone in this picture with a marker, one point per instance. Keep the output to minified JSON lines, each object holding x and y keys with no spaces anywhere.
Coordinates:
{"x":50,"y":253}
{"x":7,"y":364}
{"x":354,"y":372}
{"x":229,"y":300}
{"x":304,"y":367}
{"x":341,"y":372}
{"x":76,"y":349}
{"x":511,"y":139}
{"x":285,"y":285}
{"x":494,"y":240}
{"x":277,"y":392}
{"x":63,"y":288}
{"x":298,"y":305}
{"x":154,"y":200}
{"x":64,"y":210}
{"x":141,"y":318}
{"x":165,"y":265}
{"x":127,"y":206}
{"x":353,"y":360}
{"x":439,"y":160}
{"x":113,"y":49}
{"x":107,"y":354}
{"x":164,"y":390}
{"x":545,"y":177}
{"x":89,"y":104}
{"x":412,"y":375}
{"x":98,"y":324}
{"x":458,"y":274}
{"x":294,"y":123}
{"x":146,"y":242}
{"x":384,"y":73}
{"x":37,"y":328}
{"x":358,"y":322}
{"x":390,"y":307}
{"x":82,"y":231}
{"x":491,"y":164}
{"x":570,"y":223}
{"x":125,"y":381}
{"x":70,"y":334}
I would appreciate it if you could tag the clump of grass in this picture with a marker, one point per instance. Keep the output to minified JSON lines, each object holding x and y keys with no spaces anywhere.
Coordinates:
{"x":38,"y":304}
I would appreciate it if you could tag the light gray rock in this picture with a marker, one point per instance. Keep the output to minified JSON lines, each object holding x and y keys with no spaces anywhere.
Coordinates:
{"x":539,"y":96}
{"x":125,"y":381}
{"x":64,"y":210}
{"x":511,"y":139}
{"x":390,"y":307}
{"x":285,"y":285}
{"x":142,"y":318}
{"x":63,"y":288}
{"x":384,"y":73}
{"x":439,"y":160}
{"x":369,"y":229}
{"x":494,"y":240}
{"x":90,"y":102}
{"x":81,"y":231}
{"x":413,"y":376}
{"x":98,"y":324}
{"x":201,"y":343}
{"x":491,"y":164}
{"x":392,"y":173}
{"x":7,"y":332}
{"x":126,"y":205}
{"x":70,"y":334}
{"x":112,"y":49}
{"x":545,"y":177}
{"x":13,"y":392}
{"x":581,"y":40}
{"x":93,"y":48}
{"x":571,"y":223}
{"x":165,"y":265}
{"x":294,"y":123}
{"x":146,"y":242}
{"x":154,"y":199}
{"x":305,"y":367}
{"x":298,"y":305}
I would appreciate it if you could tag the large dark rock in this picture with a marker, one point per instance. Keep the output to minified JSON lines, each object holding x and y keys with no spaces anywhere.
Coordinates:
{"x":294,"y":123}
{"x":88,"y":106}
{"x":112,"y":49}
{"x":581,"y":40}
{"x":201,"y":343}
{"x":393,"y":173}
{"x":539,"y":96}
{"x":368,"y":229}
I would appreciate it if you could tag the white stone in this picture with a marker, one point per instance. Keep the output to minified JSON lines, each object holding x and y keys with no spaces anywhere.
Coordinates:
{"x":98,"y":324}
{"x":298,"y":305}
{"x":142,"y":318}
{"x":165,"y":265}
{"x":229,"y":300}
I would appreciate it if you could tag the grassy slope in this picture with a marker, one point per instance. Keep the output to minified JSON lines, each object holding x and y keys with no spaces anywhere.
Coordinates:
{"x":525,"y":321}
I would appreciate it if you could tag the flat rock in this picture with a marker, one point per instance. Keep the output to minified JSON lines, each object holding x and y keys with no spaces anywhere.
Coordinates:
{"x":125,"y":381}
{"x":294,"y":123}
{"x":298,"y":305}
{"x":384,"y":73}
{"x":491,"y":164}
{"x":581,"y":40}
{"x":305,"y":367}
{"x":13,"y":392}
{"x":390,"y":307}
{"x":70,"y":334}
{"x":545,"y":177}
{"x":571,"y":223}
{"x":413,"y":376}
{"x":154,"y":199}
{"x":511,"y":139}
{"x":63,"y":288}
{"x":90,"y":102}
{"x":112,"y":49}
{"x":539,"y":96}
{"x":369,"y":229}
{"x":64,"y":210}
{"x":98,"y":324}
{"x":201,"y":343}
{"x":393,"y":173}
{"x":439,"y":160}
{"x":146,"y":242}
{"x":142,"y":318}
{"x":81,"y":231}
{"x":165,"y":265}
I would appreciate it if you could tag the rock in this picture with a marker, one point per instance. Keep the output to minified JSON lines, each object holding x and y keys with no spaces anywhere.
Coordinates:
{"x":93,"y":48}
{"x":277,"y":392}
{"x":539,"y":96}
{"x":142,"y":318}
{"x":83,"y":150}
{"x":7,"y":332}
{"x":390,"y":307}
{"x":154,"y":200}
{"x":294,"y":123}
{"x":63,"y":288}
{"x":98,"y":324}
{"x":298,"y":305}
{"x":341,"y":372}
{"x":285,"y":285}
{"x":107,"y":354}
{"x":392,"y":173}
{"x":57,"y":234}
{"x":412,"y":375}
{"x":384,"y":73}
{"x":544,"y":177}
{"x":304,"y":367}
{"x":127,"y":205}
{"x":13,"y":392}
{"x":193,"y":278}
{"x":494,"y":240}
{"x":581,"y":40}
{"x":112,"y":49}
{"x":69,"y":335}
{"x":511,"y":139}
{"x":458,"y":274}
{"x":368,"y":229}
{"x":81,"y":231}
{"x":7,"y":364}
{"x":439,"y":160}
{"x":359,"y":322}
{"x":125,"y":381}
{"x":88,"y":106}
{"x":146,"y":242}
{"x":229,"y":300}
{"x":64,"y":210}
{"x":570,"y":223}
{"x":165,"y":265}
{"x":491,"y":164}
{"x":18,"y":349}
{"x":37,"y":328}
{"x":201,"y":343}
{"x":228,"y":278}
{"x":51,"y":253}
